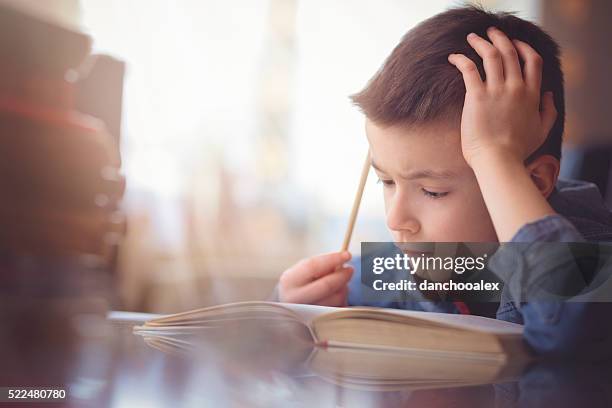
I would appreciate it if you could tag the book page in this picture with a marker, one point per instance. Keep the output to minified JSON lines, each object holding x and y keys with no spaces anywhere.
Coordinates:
{"x":244,"y":310}
{"x":465,"y":322}
{"x":308,"y":312}
{"x":468,"y":322}
{"x":131,"y":317}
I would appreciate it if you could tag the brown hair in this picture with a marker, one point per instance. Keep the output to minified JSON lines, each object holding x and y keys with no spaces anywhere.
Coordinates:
{"x":417,"y":85}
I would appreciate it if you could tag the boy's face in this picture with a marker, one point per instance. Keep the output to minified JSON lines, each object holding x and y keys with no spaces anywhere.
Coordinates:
{"x":431,"y":194}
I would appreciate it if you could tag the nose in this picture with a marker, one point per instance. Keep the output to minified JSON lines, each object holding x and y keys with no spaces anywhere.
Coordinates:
{"x":400,"y":218}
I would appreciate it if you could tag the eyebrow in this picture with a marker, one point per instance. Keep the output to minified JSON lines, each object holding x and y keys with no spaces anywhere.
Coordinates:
{"x":420,"y":174}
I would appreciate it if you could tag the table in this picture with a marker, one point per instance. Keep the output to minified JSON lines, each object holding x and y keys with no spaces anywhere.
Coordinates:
{"x":102,"y":363}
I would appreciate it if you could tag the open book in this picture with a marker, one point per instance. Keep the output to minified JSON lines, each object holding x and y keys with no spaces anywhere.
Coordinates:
{"x":363,"y":346}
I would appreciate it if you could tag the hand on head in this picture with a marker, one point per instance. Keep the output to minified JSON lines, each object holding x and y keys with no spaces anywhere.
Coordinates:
{"x":502,"y":113}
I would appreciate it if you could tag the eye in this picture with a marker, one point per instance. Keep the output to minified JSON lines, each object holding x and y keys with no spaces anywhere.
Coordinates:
{"x":386,"y":183}
{"x":434,"y":194}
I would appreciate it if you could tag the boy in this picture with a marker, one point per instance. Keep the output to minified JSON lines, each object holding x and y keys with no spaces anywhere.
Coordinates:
{"x":464,"y":122}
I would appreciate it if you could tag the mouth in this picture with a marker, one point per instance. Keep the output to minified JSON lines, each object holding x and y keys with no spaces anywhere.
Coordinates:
{"x":416,"y":248}
{"x":415,"y":254}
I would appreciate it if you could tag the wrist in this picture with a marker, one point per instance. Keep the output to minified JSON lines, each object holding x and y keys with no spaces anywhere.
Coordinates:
{"x":484,"y":159}
{"x":511,"y":196}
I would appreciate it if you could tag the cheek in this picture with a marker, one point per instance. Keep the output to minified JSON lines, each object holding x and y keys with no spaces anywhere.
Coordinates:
{"x":472,"y":221}
{"x":463,"y":218}
{"x":443,"y":222}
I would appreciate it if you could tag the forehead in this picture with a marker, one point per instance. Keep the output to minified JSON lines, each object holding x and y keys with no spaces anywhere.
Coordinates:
{"x":401,"y":148}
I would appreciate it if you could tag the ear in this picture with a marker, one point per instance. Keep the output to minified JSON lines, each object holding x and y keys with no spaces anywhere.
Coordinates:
{"x":544,"y":171}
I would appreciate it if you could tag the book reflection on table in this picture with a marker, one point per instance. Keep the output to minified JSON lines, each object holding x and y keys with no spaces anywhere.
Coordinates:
{"x":364,"y":348}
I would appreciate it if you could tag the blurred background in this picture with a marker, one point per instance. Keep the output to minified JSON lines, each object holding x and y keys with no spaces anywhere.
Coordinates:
{"x":238,"y":144}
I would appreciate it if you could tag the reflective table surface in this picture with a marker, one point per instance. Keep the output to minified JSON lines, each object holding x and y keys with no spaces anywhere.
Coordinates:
{"x":100,"y":362}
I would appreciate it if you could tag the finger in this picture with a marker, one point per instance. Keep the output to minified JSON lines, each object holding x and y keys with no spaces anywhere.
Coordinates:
{"x":322,"y":287}
{"x":315,"y":267}
{"x":509,"y":55}
{"x":533,"y":65}
{"x":549,"y":112}
{"x":337,"y":299}
{"x":469,"y":71}
{"x":491,"y":59}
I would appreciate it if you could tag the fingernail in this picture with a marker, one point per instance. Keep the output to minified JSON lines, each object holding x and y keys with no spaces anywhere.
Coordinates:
{"x":491,"y":28}
{"x":471,"y":35}
{"x":346,"y":255}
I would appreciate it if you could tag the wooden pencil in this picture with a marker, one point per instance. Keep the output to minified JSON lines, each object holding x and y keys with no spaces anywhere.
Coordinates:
{"x":351,"y":224}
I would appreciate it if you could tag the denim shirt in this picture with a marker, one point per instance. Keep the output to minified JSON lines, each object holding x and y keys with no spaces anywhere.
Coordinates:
{"x":569,"y":328}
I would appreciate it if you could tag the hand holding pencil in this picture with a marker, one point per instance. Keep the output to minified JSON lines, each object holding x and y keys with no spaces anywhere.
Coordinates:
{"x":323,"y":279}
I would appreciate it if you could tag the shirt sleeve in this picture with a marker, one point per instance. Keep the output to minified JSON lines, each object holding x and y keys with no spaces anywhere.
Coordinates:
{"x":540,"y":258}
{"x":547,"y":280}
{"x":552,"y":228}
